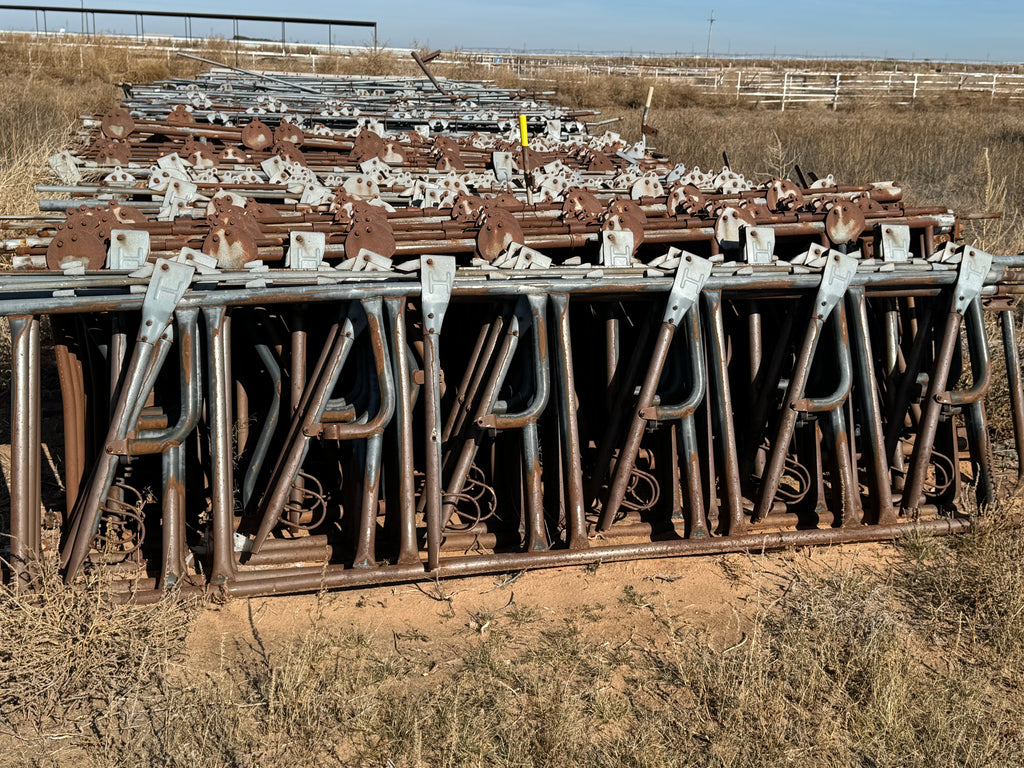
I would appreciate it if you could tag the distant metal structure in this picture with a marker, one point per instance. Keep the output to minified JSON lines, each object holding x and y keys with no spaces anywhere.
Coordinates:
{"x":711,"y":23}
{"x":187,"y":17}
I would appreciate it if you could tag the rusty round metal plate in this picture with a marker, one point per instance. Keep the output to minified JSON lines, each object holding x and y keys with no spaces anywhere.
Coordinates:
{"x":112,"y":151}
{"x":627,"y":206}
{"x":869,"y":205}
{"x":844,"y":222}
{"x":286,"y":131}
{"x":730,"y":221}
{"x":467,"y":207}
{"x":289,"y":151}
{"x":126,"y":215}
{"x":392,"y":153}
{"x":498,"y":229}
{"x":888,"y":193}
{"x":117,"y":124}
{"x":257,"y":135}
{"x":68,"y":248}
{"x":784,"y":195}
{"x":582,"y":205}
{"x":599,"y":162}
{"x":503,"y":200}
{"x":79,"y":239}
{"x":232,"y":244}
{"x":180,"y":116}
{"x":626,"y":220}
{"x":685,"y":198}
{"x":371,"y":233}
{"x":366,"y":145}
{"x":199,"y":154}
{"x":450,"y":160}
{"x":257,"y":211}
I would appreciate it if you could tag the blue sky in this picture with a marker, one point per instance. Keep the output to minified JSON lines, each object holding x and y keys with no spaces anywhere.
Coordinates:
{"x":937,"y":29}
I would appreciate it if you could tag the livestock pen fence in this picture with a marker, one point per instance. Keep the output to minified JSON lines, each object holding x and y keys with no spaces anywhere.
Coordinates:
{"x":807,"y":83}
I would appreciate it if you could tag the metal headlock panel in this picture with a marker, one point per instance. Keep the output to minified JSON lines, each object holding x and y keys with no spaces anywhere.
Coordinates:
{"x":325,"y":331}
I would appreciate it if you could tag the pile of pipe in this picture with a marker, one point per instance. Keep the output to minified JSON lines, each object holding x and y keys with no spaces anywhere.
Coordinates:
{"x":323,"y":331}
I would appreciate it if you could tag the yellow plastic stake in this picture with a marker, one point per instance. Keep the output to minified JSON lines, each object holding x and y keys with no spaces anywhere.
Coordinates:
{"x":524,"y":140}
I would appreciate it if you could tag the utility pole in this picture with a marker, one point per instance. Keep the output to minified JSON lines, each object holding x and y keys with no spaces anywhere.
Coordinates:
{"x":711,"y":22}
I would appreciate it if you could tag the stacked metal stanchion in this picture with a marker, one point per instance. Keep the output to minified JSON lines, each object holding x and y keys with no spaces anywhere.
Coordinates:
{"x":335,"y":332}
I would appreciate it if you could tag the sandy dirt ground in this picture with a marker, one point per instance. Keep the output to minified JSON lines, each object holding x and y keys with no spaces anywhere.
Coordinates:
{"x":613,"y":602}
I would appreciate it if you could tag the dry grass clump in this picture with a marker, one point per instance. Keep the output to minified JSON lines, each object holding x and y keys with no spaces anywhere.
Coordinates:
{"x":76,"y":668}
{"x":913,"y":665}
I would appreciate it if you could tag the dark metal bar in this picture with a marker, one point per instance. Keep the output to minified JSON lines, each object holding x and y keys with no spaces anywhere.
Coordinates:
{"x":193,"y":15}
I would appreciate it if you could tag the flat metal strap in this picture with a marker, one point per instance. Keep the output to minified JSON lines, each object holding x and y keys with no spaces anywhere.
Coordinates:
{"x":437,"y":273}
{"x":691,"y":275}
{"x":836,"y":277}
{"x":974,"y":268}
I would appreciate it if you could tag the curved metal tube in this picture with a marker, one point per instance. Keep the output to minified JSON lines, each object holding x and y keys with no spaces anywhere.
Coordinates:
{"x":150,"y":441}
{"x":541,"y":376}
{"x":842,"y":390}
{"x":980,"y":364}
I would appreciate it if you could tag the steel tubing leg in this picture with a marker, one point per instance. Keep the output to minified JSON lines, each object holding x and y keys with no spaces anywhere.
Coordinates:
{"x":787,"y":422}
{"x":718,"y":373}
{"x":928,"y":426}
{"x":981,"y":452}
{"x":697,"y":524}
{"x":73,"y":399}
{"x":627,"y":455}
{"x":366,"y":552}
{"x":537,"y":538}
{"x":25,"y":446}
{"x":406,"y":502}
{"x":366,"y":546}
{"x":568,"y":421}
{"x":866,"y":390}
{"x":173,"y":521}
{"x":845,"y":494}
{"x":218,"y":414}
{"x":432,"y":411}
{"x":1013,"y":384}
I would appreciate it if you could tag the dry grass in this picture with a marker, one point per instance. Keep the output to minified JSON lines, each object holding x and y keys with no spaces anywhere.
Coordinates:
{"x":914,"y":664}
